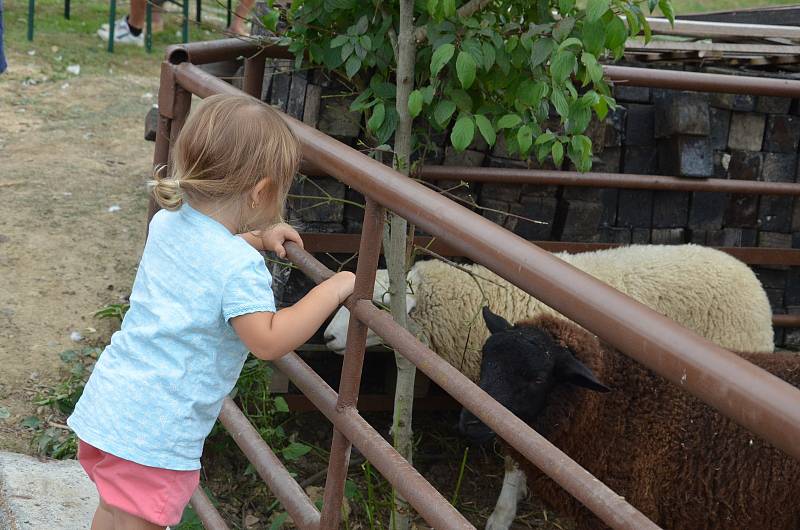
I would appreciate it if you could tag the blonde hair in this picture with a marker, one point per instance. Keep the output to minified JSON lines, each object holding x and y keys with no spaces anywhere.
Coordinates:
{"x":227,"y":146}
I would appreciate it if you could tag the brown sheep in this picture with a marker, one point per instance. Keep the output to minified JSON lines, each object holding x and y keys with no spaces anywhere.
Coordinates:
{"x":677,"y":460}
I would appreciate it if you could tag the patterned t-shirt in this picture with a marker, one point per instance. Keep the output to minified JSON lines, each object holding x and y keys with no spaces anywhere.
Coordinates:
{"x":158,"y":387}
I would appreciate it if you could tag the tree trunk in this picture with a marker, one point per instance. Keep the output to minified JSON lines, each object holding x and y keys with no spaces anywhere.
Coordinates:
{"x":396,"y":255}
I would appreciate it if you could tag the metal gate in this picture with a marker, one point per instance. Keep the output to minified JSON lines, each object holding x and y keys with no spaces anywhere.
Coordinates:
{"x":757,"y":400}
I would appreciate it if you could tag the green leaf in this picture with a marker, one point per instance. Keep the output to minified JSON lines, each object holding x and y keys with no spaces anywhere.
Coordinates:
{"x":508,"y":121}
{"x":347,"y":50}
{"x":560,"y":103}
{"x":564,"y":63}
{"x":378,"y":115}
{"x":601,"y":109}
{"x":280,"y":404}
{"x":666,"y":7}
{"x":616,"y":33}
{"x":572,"y":41}
{"x":531,"y":93}
{"x":31,"y":422}
{"x":449,"y":7}
{"x":431,"y":6}
{"x":388,"y":126}
{"x":544,"y":138}
{"x":427,"y":94}
{"x":524,"y":139}
{"x":444,"y":109}
{"x":441,"y":57}
{"x":365,"y":41}
{"x":652,"y":4}
{"x":339,"y":40}
{"x":541,"y":51}
{"x":362,"y":25}
{"x":594,"y":36}
{"x":461,"y":99}
{"x":270,"y":19}
{"x":463,"y":132}
{"x":4,"y":413}
{"x":558,"y":153}
{"x":565,"y":6}
{"x":279,"y":521}
{"x":489,"y":55}
{"x":295,"y":450}
{"x":592,"y":66}
{"x":360,"y":103}
{"x":352,"y":66}
{"x":486,"y":129}
{"x":563,"y":28}
{"x":415,"y":100}
{"x":465,"y":68}
{"x":595,"y":9}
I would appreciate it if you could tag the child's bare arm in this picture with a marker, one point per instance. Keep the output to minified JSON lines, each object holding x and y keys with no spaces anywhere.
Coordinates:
{"x":272,"y":335}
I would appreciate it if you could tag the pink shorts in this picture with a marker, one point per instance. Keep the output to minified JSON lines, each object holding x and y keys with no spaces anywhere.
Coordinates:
{"x":150,"y":493}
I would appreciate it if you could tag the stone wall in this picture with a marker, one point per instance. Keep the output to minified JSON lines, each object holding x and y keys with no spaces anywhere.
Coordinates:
{"x":653,"y":132}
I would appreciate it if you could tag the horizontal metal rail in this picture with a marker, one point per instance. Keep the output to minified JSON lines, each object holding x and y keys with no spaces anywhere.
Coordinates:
{"x":595,"y":495}
{"x":544,"y":177}
{"x":348,"y":243}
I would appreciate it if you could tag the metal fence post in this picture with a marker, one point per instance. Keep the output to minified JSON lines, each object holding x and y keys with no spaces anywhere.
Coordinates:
{"x":368,"y":255}
{"x":254,"y":74}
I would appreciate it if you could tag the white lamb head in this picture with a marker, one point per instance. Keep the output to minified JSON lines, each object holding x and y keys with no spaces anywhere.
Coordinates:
{"x":336,"y":332}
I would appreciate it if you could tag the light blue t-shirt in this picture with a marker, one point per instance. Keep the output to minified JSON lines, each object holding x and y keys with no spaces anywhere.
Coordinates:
{"x":158,"y":387}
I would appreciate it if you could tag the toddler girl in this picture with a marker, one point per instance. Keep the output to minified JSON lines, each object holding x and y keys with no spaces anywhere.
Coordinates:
{"x":201,"y":300}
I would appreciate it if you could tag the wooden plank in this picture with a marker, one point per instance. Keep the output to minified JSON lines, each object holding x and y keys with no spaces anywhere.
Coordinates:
{"x":696,"y":28}
{"x":711,"y":47}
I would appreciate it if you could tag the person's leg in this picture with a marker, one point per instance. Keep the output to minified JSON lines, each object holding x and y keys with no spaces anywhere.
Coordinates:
{"x":103,"y":518}
{"x":239,"y":21}
{"x":126,"y":521}
{"x":136,"y":16}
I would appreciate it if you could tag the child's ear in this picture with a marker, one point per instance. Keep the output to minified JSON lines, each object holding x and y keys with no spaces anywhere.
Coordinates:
{"x":256,"y":192}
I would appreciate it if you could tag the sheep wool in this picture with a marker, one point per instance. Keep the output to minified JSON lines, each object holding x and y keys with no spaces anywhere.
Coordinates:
{"x":676,"y":459}
{"x":703,"y":289}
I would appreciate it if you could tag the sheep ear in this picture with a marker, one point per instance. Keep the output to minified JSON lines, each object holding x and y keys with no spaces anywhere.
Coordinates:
{"x":571,"y":370}
{"x":495,"y":323}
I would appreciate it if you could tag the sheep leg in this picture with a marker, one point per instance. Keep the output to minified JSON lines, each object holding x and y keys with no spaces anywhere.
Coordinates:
{"x":514,"y":490}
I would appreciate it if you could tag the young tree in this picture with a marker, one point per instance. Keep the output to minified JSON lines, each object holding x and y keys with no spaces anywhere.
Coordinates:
{"x":527,"y":69}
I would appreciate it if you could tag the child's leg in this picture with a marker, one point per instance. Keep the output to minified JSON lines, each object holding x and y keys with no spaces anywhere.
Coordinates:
{"x":240,"y":20}
{"x":126,"y":521}
{"x":103,"y":518}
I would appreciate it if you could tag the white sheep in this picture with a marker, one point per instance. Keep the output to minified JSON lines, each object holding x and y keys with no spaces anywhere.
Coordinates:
{"x":703,"y":289}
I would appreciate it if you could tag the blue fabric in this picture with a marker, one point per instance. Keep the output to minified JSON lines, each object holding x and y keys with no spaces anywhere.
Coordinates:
{"x":3,"y":64}
{"x":158,"y":387}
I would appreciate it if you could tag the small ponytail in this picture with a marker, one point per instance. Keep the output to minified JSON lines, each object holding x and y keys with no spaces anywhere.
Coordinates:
{"x":166,"y":191}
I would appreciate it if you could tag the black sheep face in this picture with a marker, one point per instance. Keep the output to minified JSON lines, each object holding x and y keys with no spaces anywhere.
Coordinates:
{"x":519,"y":368}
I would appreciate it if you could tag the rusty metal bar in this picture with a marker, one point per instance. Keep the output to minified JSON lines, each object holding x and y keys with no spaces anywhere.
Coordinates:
{"x":254,"y":74}
{"x":786,"y":321}
{"x":182,"y":105}
{"x":595,"y":495}
{"x":377,"y":402}
{"x":268,"y":466}
{"x":605,"y":180}
{"x":680,"y":80}
{"x":428,"y":502}
{"x":224,"y":49}
{"x":350,"y":380}
{"x":206,"y":511}
{"x":348,"y":243}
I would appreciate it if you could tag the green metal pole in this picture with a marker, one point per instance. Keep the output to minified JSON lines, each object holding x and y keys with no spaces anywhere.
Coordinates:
{"x":66,"y":9}
{"x":31,"y":11}
{"x":112,"y":20}
{"x":229,"y":13}
{"x":185,"y":20}
{"x":148,"y":36}
{"x":197,"y":15}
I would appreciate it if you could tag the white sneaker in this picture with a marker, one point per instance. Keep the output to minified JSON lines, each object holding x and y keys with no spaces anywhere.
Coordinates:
{"x":122,"y":34}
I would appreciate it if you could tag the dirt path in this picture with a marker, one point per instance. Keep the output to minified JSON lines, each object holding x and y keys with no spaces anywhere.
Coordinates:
{"x":71,"y":149}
